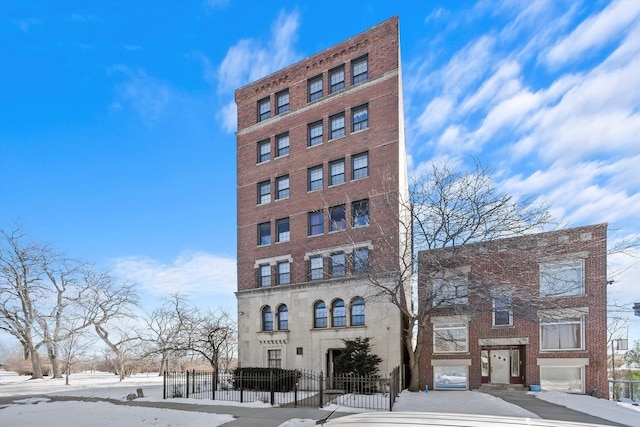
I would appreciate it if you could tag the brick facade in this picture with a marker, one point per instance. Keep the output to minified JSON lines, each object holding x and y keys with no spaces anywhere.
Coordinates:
{"x":512,"y":267}
{"x":382,"y":142}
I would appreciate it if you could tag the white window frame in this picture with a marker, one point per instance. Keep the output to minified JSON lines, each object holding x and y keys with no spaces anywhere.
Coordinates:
{"x":552,"y":274}
{"x":545,"y":324}
{"x":499,"y":307}
{"x":450,"y":327}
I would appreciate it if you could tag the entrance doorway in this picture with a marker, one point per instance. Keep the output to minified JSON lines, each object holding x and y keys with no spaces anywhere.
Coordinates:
{"x":499,"y":365}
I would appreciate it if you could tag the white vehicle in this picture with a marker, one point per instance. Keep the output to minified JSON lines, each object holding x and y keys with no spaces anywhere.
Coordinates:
{"x":451,"y":378}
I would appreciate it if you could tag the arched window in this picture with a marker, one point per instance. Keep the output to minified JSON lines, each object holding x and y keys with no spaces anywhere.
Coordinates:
{"x":283,"y":317}
{"x":357,"y":311}
{"x":267,"y":319}
{"x":320,"y":315}
{"x":338,"y":314}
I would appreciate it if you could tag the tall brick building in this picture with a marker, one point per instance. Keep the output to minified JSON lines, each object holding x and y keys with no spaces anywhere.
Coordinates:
{"x":519,"y":311}
{"x":321,"y":178}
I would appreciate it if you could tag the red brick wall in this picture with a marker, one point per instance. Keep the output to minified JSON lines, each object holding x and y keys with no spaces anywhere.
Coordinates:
{"x":516,"y":261}
{"x":380,"y":91}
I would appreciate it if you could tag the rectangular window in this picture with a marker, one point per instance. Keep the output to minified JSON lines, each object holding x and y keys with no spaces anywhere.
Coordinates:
{"x":282,"y":145}
{"x":502,"y":311}
{"x":338,"y":218}
{"x":337,"y":126}
{"x":451,"y":377}
{"x":360,"y":213}
{"x":282,"y":185}
{"x":450,"y":338}
{"x":282,"y":99}
{"x":336,"y":170}
{"x":316,"y":268}
{"x":264,"y":109}
{"x":336,"y":79}
{"x":360,"y":118}
{"x":561,"y":334}
{"x":264,"y":151}
{"x":265,"y":275}
{"x":360,"y":166}
{"x":275,"y":359}
{"x":315,"y":134}
{"x":315,"y":178}
{"x":360,"y":70}
{"x":561,"y":279}
{"x":338,"y":265}
{"x":264,"y":192}
{"x":315,"y":88}
{"x":450,"y":291}
{"x":264,"y":233}
{"x":567,"y":379}
{"x":282,"y":230}
{"x":361,"y":261}
{"x":316,"y":223}
{"x":284,"y":273}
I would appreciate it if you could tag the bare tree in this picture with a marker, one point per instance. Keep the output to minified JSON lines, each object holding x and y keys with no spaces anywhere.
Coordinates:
{"x":209,"y":333}
{"x":20,"y":287}
{"x":446,"y":209}
{"x":108,"y":303}
{"x":75,"y":346}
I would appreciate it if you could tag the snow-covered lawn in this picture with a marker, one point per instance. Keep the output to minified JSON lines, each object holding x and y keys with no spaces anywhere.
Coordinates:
{"x":26,"y":410}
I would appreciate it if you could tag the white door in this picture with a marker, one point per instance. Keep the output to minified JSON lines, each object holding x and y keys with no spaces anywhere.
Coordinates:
{"x":499,"y":362}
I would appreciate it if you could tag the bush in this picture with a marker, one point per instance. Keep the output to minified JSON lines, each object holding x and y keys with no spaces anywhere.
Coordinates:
{"x":284,"y":380}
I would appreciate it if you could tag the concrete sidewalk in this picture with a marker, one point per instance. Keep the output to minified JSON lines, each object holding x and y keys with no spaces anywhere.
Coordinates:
{"x":547,"y":410}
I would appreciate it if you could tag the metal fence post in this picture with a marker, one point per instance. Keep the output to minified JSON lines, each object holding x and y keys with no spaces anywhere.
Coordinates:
{"x":164,"y":385}
{"x":271,"y":388}
{"x":241,"y":388}
{"x":321,"y":391}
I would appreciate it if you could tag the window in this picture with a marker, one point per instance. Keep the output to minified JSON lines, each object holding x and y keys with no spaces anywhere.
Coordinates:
{"x":338,"y":220}
{"x":316,"y":268}
{"x":336,"y":172}
{"x":567,"y":379}
{"x":282,"y":230}
{"x":357,"y":311}
{"x":502,"y":311}
{"x":449,"y":338}
{"x":267,"y":319}
{"x":336,"y":79}
{"x":360,"y":70}
{"x":282,"y":187}
{"x":316,"y":223}
{"x":264,"y":151}
{"x":360,"y":118}
{"x":284,"y":273}
{"x":315,"y":134}
{"x":561,"y":279}
{"x":360,"y":166}
{"x":282,"y":99}
{"x":337,"y":126}
{"x":338,"y":264}
{"x":265,"y":275}
{"x":275,"y":359}
{"x":338,"y":314}
{"x":264,"y":233}
{"x":561,"y":334}
{"x":451,"y":290}
{"x":360,"y":213}
{"x":264,"y":109}
{"x":319,"y":315}
{"x":283,"y":317}
{"x":451,"y":377}
{"x":315,"y":178}
{"x":264,"y":192}
{"x":282,"y":145}
{"x":361,"y":260}
{"x":315,"y":88}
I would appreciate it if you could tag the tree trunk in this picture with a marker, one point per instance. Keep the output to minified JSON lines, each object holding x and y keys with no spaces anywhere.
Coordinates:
{"x":36,"y":370}
{"x":53,"y":359}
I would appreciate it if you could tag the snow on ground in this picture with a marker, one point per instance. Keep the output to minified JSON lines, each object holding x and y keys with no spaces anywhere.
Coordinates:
{"x":25,"y":409}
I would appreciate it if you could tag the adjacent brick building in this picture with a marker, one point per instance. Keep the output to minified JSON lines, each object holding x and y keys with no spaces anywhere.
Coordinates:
{"x":321,"y":175}
{"x":529,"y":310}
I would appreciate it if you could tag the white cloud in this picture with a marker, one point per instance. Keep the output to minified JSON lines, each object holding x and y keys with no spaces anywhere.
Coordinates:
{"x":249,"y":59}
{"x":196,"y":273}
{"x":228,"y":116}
{"x":594,"y":32}
{"x":147,"y":95}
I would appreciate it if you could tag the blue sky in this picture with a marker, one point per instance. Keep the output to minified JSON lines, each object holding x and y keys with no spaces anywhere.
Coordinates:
{"x":117,"y":118}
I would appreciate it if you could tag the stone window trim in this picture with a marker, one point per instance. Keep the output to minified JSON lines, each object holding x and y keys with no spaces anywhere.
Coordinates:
{"x":347,"y":249}
{"x":272,"y":260}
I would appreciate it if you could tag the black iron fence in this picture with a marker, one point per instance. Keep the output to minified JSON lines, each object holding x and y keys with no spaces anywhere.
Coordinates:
{"x":624,"y":390}
{"x":286,"y":388}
